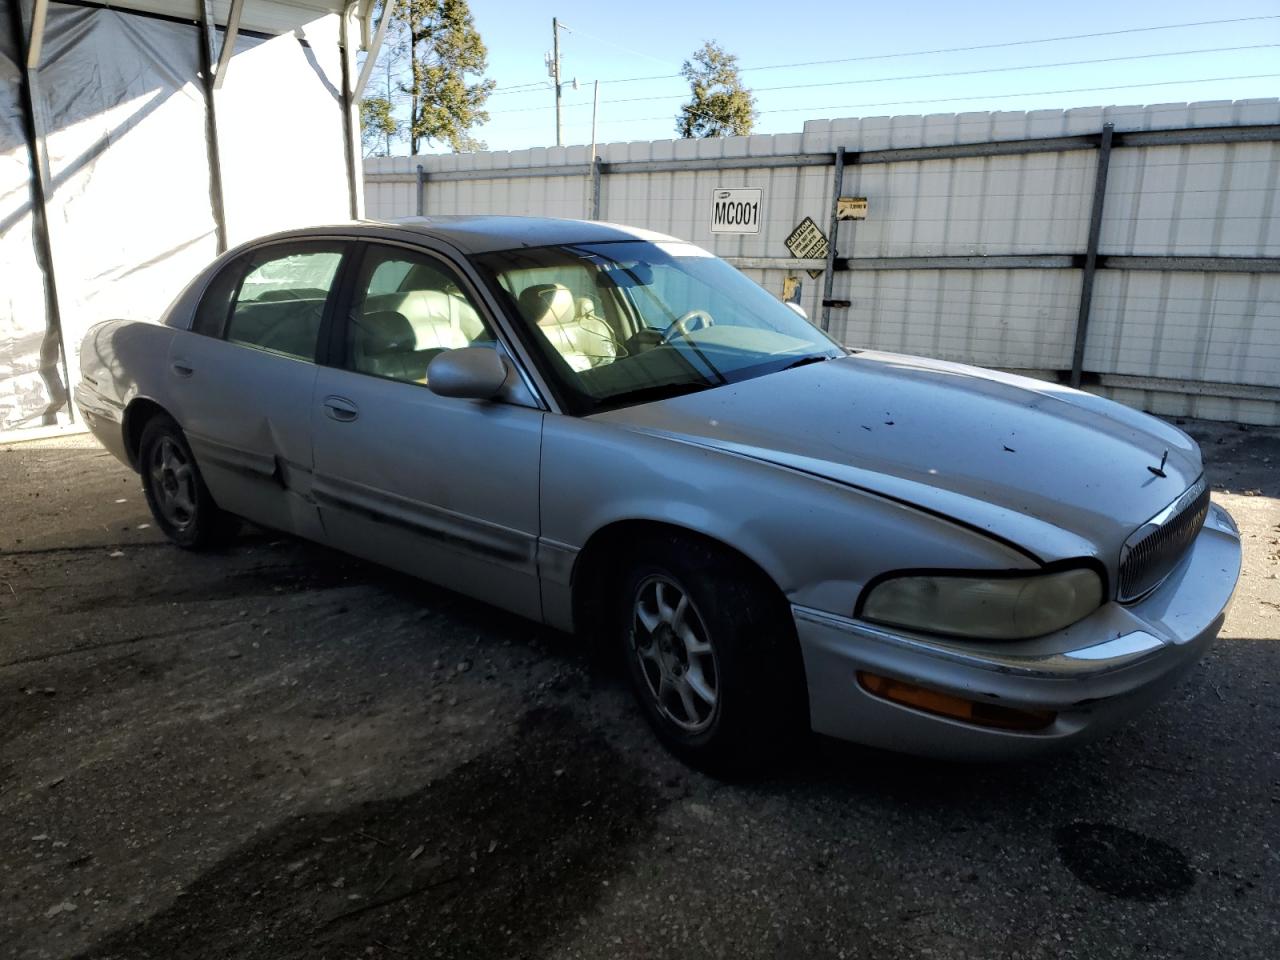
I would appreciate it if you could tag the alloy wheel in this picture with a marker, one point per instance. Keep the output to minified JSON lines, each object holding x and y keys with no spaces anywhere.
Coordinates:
{"x":173,"y":484}
{"x":675,"y":654}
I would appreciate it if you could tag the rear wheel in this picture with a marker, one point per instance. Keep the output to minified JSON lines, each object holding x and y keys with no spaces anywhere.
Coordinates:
{"x":711,"y":654}
{"x":176,"y":493}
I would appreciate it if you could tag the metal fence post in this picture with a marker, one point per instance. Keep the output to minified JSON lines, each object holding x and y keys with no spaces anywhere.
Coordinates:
{"x":596,"y":164}
{"x":1091,"y":253}
{"x":422,"y":191}
{"x":837,"y":187}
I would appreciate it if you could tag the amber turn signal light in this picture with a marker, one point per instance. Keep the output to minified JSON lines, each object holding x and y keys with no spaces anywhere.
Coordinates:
{"x":957,"y":708}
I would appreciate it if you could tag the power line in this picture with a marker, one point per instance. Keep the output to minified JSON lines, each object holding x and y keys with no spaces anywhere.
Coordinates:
{"x":966,"y":73}
{"x":954,"y":73}
{"x":621,"y":46}
{"x":1002,"y":96}
{"x":519,"y":87}
{"x":1020,"y":43}
{"x":968,"y":49}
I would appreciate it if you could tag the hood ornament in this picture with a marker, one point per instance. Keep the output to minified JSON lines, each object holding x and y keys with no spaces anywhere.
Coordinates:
{"x":1159,"y":471}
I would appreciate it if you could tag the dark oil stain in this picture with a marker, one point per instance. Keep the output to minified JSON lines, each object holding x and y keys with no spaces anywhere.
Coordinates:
{"x":498,"y":858}
{"x":1123,"y":863}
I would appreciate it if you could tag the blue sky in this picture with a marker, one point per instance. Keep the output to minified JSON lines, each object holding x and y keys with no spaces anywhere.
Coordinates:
{"x":614,"y":42}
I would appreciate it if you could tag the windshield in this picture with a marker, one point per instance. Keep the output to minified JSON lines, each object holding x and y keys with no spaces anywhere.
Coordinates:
{"x":631,"y":322}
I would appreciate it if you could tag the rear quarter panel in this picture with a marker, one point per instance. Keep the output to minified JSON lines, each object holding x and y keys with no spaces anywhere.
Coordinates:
{"x":120,"y":361}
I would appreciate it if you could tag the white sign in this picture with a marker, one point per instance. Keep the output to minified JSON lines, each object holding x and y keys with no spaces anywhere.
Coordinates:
{"x":736,"y":210}
{"x":851,"y":208}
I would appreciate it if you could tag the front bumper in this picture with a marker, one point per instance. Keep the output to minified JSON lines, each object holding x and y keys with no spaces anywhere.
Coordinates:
{"x":1093,"y":675}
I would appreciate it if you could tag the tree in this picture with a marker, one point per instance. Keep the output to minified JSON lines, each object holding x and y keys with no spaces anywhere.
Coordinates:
{"x":444,"y":49}
{"x":437,"y":59}
{"x":381,"y":122}
{"x":377,"y":126}
{"x":719,"y":105}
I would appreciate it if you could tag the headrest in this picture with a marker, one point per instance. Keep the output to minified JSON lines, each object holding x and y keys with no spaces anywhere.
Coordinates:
{"x":547,"y":304}
{"x":386,"y":331}
{"x":425,"y":276}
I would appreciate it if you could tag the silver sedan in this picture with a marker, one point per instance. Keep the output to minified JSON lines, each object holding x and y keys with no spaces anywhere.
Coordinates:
{"x":614,"y":432}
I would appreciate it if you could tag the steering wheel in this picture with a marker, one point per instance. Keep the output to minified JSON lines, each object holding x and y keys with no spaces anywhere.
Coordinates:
{"x":686,"y":325}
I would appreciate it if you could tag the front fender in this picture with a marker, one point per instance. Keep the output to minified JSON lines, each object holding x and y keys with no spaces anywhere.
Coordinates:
{"x":818,"y":540}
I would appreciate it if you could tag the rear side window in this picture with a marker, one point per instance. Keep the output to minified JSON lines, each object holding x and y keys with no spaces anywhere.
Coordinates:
{"x":278,"y":298}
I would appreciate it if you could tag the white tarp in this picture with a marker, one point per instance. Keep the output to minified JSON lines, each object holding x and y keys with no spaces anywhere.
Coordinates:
{"x":278,"y":95}
{"x":119,"y":100}
{"x":121,"y":119}
{"x":25,"y":395}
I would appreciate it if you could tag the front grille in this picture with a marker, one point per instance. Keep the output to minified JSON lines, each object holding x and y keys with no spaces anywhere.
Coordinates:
{"x":1155,"y":548}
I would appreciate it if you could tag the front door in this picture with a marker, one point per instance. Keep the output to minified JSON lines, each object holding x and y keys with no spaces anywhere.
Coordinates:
{"x":443,"y":488}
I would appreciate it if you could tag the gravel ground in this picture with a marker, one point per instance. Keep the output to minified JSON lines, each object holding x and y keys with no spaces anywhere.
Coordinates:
{"x":277,"y":751}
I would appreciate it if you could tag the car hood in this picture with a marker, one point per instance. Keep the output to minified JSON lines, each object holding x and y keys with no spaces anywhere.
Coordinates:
{"x":1056,"y":471}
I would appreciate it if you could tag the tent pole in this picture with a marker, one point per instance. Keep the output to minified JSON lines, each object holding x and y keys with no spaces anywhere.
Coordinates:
{"x":29,"y":61}
{"x":228,"y":42}
{"x":373,"y":48}
{"x":348,"y":127}
{"x":211,"y":125}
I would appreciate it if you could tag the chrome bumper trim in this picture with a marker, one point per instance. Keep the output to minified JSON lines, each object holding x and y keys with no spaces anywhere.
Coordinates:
{"x":1114,"y":654}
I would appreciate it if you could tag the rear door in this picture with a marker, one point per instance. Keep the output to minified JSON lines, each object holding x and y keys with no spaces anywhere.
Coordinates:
{"x":243,"y":378}
{"x":440,"y":487}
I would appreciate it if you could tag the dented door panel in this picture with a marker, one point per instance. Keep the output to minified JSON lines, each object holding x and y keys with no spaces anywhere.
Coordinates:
{"x":246,"y":414}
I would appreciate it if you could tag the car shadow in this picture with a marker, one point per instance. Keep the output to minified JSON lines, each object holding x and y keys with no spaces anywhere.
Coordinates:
{"x":499,"y":857}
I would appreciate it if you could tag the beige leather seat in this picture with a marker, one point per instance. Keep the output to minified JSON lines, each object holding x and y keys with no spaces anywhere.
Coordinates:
{"x":581,"y":337}
{"x":384,"y":345}
{"x":439,"y":319}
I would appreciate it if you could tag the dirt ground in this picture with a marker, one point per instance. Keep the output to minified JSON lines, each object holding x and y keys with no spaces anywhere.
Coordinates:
{"x":278,"y":752}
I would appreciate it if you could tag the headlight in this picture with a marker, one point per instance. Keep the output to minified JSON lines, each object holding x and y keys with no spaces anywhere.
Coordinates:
{"x":985,"y":607}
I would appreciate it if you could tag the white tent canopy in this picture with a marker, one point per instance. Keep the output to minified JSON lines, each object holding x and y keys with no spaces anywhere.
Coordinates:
{"x":136,"y":143}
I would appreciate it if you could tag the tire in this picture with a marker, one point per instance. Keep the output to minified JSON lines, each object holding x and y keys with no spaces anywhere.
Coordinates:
{"x":176,"y":493}
{"x":711,"y":655}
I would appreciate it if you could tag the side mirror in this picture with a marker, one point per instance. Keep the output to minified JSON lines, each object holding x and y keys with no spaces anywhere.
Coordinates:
{"x":470,"y":373}
{"x":798,"y":309}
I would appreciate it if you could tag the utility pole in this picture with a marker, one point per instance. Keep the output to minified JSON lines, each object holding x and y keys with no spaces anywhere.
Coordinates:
{"x":595,"y":109}
{"x":555,"y":75}
{"x":592,"y":159}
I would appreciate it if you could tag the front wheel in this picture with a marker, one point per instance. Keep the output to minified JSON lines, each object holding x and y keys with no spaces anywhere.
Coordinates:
{"x":711,"y":654}
{"x":176,"y":493}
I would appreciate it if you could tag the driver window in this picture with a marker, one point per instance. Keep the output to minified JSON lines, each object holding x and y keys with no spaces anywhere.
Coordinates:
{"x":407,"y":310}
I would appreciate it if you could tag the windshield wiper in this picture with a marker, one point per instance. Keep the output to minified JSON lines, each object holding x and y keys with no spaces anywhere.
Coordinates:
{"x":816,"y":358}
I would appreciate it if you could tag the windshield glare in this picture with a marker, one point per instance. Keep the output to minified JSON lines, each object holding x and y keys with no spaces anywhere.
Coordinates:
{"x":635,"y":321}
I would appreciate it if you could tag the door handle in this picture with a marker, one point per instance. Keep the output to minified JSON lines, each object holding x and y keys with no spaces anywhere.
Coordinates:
{"x":182,"y":368}
{"x":341,"y":409}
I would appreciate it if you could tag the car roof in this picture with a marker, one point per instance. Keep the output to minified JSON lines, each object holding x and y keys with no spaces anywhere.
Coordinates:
{"x":488,"y":234}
